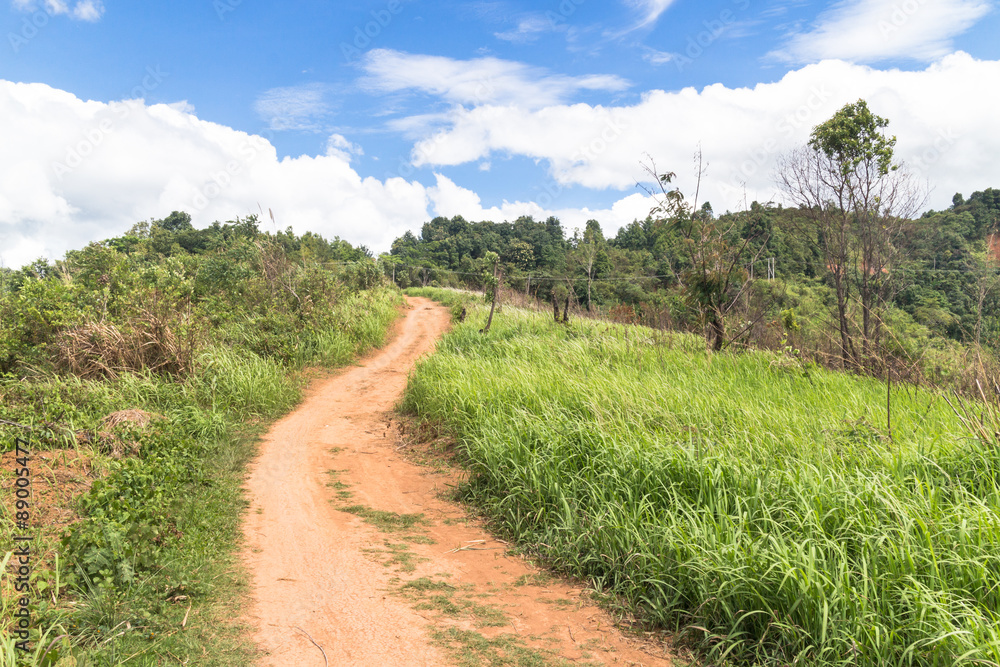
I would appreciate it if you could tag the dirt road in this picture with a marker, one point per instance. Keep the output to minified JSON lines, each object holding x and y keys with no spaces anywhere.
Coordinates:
{"x":356,"y":559}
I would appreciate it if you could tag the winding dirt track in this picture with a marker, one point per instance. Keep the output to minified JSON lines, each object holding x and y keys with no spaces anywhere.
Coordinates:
{"x":322,"y":580}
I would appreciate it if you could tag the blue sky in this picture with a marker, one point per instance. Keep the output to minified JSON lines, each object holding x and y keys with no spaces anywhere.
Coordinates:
{"x":363,"y":121}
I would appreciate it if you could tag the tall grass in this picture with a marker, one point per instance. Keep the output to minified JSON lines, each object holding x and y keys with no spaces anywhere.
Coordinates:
{"x":753,"y":503}
{"x":360,"y":324}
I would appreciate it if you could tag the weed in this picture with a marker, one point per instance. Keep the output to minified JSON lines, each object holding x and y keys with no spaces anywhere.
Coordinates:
{"x":451,"y":601}
{"x":471,"y":649}
{"x":398,"y":556}
{"x":389,"y":522}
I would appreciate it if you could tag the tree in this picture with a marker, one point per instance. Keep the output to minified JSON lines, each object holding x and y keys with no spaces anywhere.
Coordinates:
{"x":713,"y":252}
{"x":590,"y":254}
{"x":177,"y":221}
{"x":857,"y":202}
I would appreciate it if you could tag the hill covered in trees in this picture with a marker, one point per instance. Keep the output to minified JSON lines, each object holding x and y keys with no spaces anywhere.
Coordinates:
{"x":944,"y":281}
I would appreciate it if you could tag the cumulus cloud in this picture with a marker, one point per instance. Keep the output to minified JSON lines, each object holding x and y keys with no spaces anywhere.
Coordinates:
{"x":870,"y":31}
{"x":82,"y":10}
{"x":943,"y":116}
{"x":338,"y":146}
{"x":74,"y":171}
{"x":478,"y":81}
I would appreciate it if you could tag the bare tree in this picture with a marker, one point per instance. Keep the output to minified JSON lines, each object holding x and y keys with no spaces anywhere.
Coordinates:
{"x":715,"y":277}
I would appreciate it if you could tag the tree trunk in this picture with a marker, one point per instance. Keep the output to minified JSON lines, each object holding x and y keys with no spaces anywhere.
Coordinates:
{"x":718,"y":325}
{"x":845,"y":336}
{"x":590,"y":280}
{"x":496,"y":297}
{"x":565,"y":317}
{"x":555,"y":308}
{"x":866,"y":315}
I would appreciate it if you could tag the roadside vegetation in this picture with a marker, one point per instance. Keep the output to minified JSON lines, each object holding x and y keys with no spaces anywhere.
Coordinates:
{"x":762,"y":507}
{"x":154,"y":360}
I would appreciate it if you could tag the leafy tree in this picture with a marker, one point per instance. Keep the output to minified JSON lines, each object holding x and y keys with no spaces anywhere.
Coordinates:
{"x":590,"y":255}
{"x":856,"y":200}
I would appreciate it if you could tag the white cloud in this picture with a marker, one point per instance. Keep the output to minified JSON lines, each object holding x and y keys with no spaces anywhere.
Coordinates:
{"x":944,"y":118}
{"x":294,"y":107}
{"x":479,"y":81}
{"x":449,"y":200}
{"x":74,"y":171}
{"x":649,"y":10}
{"x":656,"y":57}
{"x":876,"y":30}
{"x":529,"y":28}
{"x":88,"y":10}
{"x":338,"y":146}
{"x":83,"y":10}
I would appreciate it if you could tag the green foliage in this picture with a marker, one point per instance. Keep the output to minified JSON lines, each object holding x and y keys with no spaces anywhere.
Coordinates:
{"x":853,"y":137}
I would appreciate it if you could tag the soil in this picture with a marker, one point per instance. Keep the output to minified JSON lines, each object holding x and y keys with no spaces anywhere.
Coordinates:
{"x":58,"y":477}
{"x":357,"y":557}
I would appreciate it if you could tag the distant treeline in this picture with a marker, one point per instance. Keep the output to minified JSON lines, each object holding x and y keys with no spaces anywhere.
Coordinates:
{"x":943,"y":284}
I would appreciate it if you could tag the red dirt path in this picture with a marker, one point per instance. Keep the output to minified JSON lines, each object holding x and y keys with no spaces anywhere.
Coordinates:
{"x":325,"y":581}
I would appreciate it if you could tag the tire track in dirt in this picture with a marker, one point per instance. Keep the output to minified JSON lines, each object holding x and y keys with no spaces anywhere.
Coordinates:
{"x":351,"y":548}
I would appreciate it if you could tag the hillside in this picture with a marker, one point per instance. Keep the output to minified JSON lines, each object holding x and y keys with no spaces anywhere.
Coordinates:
{"x":135,"y":375}
{"x":767,"y":510}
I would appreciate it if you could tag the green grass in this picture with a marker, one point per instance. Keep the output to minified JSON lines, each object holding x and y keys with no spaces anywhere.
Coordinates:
{"x":753,"y":504}
{"x":389,"y":522}
{"x":471,"y":649}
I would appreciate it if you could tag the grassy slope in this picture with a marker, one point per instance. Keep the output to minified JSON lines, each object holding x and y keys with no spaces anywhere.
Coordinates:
{"x":153,"y":566}
{"x":755,"y":504}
